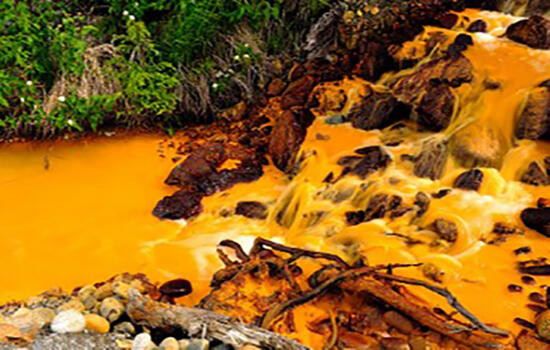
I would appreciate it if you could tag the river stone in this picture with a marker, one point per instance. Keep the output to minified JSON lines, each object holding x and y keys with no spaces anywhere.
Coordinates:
{"x":44,"y":315}
{"x":121,"y":289}
{"x":169,"y":343}
{"x":68,"y":321}
{"x":143,"y":342}
{"x":111,"y":309}
{"x":126,"y":328}
{"x":97,"y":323}
{"x":73,"y":304}
{"x":198,"y":344}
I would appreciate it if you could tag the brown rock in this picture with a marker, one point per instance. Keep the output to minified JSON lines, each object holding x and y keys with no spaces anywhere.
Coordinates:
{"x":537,"y":7}
{"x":375,"y":61}
{"x":297,"y":93}
{"x":537,"y":219}
{"x":286,"y":138}
{"x":478,"y":26}
{"x":446,"y":230}
{"x":535,"y":176}
{"x":534,"y":120}
{"x":374,"y":158}
{"x":469,"y":180}
{"x":252,"y":210}
{"x":377,"y":110}
{"x":183,"y":204}
{"x":435,"y":109}
{"x":533,"y":32}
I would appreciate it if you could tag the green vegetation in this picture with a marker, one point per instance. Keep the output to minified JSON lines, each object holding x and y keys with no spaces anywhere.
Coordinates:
{"x":75,"y":66}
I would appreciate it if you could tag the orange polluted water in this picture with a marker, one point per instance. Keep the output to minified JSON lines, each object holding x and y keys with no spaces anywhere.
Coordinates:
{"x":76,"y":212}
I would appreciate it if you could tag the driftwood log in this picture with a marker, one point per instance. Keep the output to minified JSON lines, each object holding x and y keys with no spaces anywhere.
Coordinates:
{"x":198,"y":323}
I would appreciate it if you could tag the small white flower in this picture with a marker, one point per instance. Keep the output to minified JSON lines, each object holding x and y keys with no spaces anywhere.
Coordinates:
{"x":35,"y":107}
{"x":125,"y":13}
{"x":215,"y":86}
{"x":22,"y":99}
{"x":70,"y":122}
{"x":29,"y":83}
{"x":61,"y":98}
{"x":136,"y":4}
{"x":246,"y":45}
{"x":219,"y":74}
{"x":246,"y":56}
{"x":237,"y":57}
{"x":132,"y":18}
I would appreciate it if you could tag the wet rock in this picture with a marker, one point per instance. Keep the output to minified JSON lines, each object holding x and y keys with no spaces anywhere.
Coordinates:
{"x":176,"y":288}
{"x":477,"y":26}
{"x":547,"y":165}
{"x":422,"y":201}
{"x":478,"y":145}
{"x":286,"y":138}
{"x":534,"y":120}
{"x":537,"y":219}
{"x":183,"y":204}
{"x":69,"y":321}
{"x":111,"y":309}
{"x":252,"y":210}
{"x":355,"y":217}
{"x":199,"y":164}
{"x":247,"y":171}
{"x":435,"y":109}
{"x":533,"y":32}
{"x":297,"y":93}
{"x":377,"y":110}
{"x":449,"y":70}
{"x":535,"y":176}
{"x":121,"y":289}
{"x":377,"y":207}
{"x":374,"y":158}
{"x":143,"y":341}
{"x":446,"y":230}
{"x":275,"y":87}
{"x":96,"y":323}
{"x":469,"y":180}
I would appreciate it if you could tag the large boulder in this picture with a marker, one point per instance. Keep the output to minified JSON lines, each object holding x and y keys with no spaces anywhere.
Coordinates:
{"x":377,"y":110}
{"x":183,"y":204}
{"x":533,"y":32}
{"x":287,"y":136}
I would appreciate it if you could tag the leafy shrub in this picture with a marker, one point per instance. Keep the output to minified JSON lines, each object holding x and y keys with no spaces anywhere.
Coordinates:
{"x":136,"y":62}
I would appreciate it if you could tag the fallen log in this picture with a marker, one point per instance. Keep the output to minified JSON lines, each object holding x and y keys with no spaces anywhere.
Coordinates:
{"x":197,"y":323}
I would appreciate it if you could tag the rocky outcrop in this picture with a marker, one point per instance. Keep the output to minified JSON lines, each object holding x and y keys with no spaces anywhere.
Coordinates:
{"x":533,"y":32}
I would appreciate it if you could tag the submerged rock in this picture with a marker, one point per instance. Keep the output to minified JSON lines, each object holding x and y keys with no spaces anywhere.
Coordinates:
{"x":435,"y":108}
{"x":252,"y":210}
{"x":431,"y":160}
{"x":533,"y":32}
{"x":535,"y":176}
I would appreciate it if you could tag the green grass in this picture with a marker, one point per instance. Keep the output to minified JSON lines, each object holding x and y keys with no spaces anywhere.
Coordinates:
{"x":77,"y":66}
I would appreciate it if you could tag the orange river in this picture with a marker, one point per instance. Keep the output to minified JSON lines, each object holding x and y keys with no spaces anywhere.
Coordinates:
{"x":75,"y":212}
